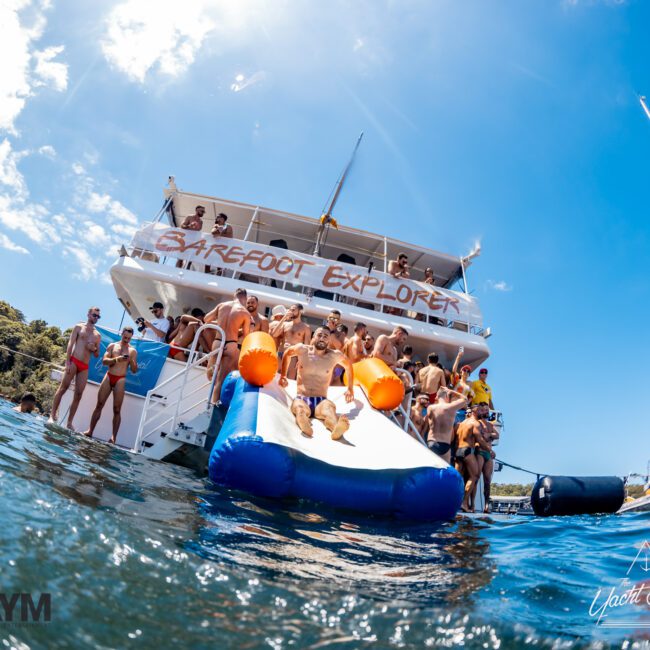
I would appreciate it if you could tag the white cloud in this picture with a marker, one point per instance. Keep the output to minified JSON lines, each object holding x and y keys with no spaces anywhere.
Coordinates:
{"x":85,"y":262}
{"x":10,"y":177}
{"x":25,"y":68}
{"x":47,"y":150}
{"x":501,"y":285}
{"x":51,"y":72}
{"x":143,"y":35}
{"x":78,"y":169}
{"x":94,"y":234}
{"x":17,"y":211}
{"x":242,"y":81}
{"x":9,"y":245}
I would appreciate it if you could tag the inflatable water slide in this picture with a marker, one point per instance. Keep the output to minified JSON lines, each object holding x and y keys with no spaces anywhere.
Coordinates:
{"x":376,"y":467}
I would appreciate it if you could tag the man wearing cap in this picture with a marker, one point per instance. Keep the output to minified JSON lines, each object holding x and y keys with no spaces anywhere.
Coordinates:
{"x":156,"y":329}
{"x":481,"y":389}
{"x":277,"y":314}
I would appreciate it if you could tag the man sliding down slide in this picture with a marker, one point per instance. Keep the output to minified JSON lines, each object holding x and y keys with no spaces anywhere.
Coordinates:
{"x":316,"y":363}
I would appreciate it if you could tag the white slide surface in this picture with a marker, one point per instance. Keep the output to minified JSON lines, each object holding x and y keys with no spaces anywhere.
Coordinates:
{"x":372,"y":442}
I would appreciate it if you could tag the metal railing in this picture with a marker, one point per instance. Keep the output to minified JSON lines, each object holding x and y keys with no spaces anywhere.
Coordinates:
{"x":168,"y":407}
{"x":408,"y":423}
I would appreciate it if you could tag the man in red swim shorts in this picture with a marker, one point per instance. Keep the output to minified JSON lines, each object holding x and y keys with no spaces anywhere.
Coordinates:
{"x":119,"y":357}
{"x":84,"y":341}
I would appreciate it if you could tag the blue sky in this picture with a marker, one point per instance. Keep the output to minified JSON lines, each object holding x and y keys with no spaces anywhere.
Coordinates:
{"x":516,"y":124}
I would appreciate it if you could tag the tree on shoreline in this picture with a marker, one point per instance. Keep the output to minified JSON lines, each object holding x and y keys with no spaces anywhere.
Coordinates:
{"x":18,"y":373}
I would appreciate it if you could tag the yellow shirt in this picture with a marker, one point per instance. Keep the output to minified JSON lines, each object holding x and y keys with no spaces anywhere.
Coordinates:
{"x":482,"y":392}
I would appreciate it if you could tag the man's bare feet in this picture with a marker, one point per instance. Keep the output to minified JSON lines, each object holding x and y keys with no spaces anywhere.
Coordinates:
{"x":87,"y":434}
{"x":341,"y":427}
{"x":111,"y":441}
{"x":52,"y":419}
{"x":69,"y":426}
{"x":305,"y":425}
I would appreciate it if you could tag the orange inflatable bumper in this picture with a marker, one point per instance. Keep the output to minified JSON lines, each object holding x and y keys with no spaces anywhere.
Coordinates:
{"x":383,"y":387}
{"x":258,"y":359}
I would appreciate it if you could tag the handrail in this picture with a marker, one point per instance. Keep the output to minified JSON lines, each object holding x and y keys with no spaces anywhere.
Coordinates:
{"x":407,"y":417}
{"x":193,"y":362}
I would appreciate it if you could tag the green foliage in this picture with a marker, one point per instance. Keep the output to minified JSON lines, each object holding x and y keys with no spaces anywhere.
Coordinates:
{"x":511,"y":489}
{"x":19,"y":374}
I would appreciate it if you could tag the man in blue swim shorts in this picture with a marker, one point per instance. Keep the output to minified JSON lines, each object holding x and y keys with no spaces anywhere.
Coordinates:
{"x":315,"y":366}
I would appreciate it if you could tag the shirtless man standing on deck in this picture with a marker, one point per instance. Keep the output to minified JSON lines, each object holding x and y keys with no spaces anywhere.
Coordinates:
{"x":354,"y":348}
{"x":432,"y":378}
{"x":84,"y":341}
{"x":118,"y":357}
{"x":484,"y":454}
{"x":440,"y":418}
{"x":259,"y":323}
{"x":185,"y":333}
{"x":291,"y":331}
{"x":386,"y":346}
{"x":469,"y":435}
{"x":235,"y":320}
{"x":315,"y":365}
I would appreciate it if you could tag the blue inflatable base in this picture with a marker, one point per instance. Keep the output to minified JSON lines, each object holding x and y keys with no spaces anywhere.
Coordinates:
{"x":242,"y":459}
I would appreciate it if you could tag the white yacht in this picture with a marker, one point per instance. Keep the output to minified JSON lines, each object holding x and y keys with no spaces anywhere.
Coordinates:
{"x":281,"y":258}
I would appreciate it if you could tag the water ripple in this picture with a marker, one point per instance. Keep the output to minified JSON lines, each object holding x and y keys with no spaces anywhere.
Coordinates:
{"x":141,"y":554}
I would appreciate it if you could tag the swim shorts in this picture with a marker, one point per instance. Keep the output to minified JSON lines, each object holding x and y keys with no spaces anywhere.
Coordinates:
{"x":463,"y":452}
{"x":440,"y":448}
{"x":312,"y":402}
{"x":81,"y":366}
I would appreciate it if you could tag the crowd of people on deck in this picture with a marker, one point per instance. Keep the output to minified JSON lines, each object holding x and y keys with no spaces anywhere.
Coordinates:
{"x":442,"y":407}
{"x":447,"y":410}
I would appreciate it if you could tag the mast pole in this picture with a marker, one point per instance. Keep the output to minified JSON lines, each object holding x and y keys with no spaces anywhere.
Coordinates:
{"x":326,"y":218}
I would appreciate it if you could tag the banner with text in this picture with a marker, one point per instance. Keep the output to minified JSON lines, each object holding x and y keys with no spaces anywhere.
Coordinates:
{"x":309,"y":271}
{"x":151,"y":359}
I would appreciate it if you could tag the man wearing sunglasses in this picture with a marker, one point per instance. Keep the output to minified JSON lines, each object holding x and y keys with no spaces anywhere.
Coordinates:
{"x":84,"y":341}
{"x":481,"y":389}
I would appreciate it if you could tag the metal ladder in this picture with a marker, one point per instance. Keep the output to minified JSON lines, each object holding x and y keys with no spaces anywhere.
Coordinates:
{"x":167,"y":402}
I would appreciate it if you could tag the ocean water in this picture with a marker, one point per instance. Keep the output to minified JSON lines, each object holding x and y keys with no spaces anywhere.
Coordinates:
{"x":136,"y":553}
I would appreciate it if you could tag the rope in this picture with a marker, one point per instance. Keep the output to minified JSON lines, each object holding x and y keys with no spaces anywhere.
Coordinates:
{"x":521,"y":469}
{"x":29,"y":356}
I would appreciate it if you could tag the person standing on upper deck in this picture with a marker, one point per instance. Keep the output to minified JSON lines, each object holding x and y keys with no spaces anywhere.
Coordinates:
{"x":428,"y":276}
{"x":386,"y":347}
{"x":220,"y":229}
{"x":432,"y":378}
{"x":481,"y":389}
{"x":192,"y":222}
{"x":399,"y":268}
